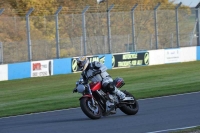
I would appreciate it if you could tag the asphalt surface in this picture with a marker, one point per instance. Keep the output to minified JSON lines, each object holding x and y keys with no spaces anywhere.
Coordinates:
{"x":155,"y":115}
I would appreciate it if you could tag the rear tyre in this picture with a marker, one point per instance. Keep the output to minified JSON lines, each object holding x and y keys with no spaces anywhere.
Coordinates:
{"x":132,"y":108}
{"x":93,"y":112}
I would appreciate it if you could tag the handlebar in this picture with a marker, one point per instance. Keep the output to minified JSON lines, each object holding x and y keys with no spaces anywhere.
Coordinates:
{"x":86,"y":79}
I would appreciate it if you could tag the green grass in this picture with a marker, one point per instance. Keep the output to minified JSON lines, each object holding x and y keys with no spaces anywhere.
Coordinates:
{"x":55,"y":92}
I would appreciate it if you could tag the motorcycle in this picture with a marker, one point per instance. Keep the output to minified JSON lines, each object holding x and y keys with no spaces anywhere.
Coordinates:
{"x":95,"y":102}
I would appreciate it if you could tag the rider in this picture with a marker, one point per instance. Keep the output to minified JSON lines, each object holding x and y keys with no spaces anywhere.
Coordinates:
{"x":97,"y":72}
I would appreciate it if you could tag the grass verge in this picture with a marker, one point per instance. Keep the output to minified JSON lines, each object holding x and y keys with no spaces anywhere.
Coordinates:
{"x":190,"y":130}
{"x":55,"y":92}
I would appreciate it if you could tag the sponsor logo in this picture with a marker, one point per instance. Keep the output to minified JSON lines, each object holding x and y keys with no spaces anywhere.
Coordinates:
{"x":75,"y":68}
{"x":102,"y":59}
{"x":38,"y":66}
{"x":146,"y":59}
{"x":131,"y":59}
{"x":74,"y":65}
{"x":113,"y":61}
{"x":172,"y":55}
{"x":42,"y":68}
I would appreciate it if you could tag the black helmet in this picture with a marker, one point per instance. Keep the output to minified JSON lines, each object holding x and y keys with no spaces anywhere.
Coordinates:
{"x":82,"y":62}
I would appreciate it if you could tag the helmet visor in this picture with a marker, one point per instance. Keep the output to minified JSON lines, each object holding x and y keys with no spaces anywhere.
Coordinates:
{"x":82,"y":63}
{"x":79,"y":64}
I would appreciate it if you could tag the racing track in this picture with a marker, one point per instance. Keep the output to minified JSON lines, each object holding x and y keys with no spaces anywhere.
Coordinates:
{"x":155,"y":115}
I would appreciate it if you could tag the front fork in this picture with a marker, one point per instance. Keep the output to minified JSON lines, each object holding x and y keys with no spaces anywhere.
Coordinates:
{"x":89,"y":94}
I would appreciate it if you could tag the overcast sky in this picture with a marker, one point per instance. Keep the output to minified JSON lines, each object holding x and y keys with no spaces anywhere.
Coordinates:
{"x":191,"y":3}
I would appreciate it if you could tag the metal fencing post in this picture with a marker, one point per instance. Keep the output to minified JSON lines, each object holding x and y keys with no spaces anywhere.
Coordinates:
{"x":128,"y":50}
{"x":57,"y":33}
{"x":1,"y":53}
{"x":1,"y":45}
{"x":172,"y":38}
{"x":104,"y":41}
{"x":84,"y":29}
{"x":133,"y":27}
{"x":151,"y":36}
{"x":156,"y":25}
{"x":81,"y":47}
{"x":109,"y":29}
{"x":193,"y":33}
{"x":177,"y":25}
{"x":28,"y":34}
{"x":198,"y":23}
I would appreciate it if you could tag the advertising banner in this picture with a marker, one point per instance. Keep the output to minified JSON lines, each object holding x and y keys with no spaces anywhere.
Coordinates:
{"x":130,"y":59}
{"x":74,"y":66}
{"x":156,"y":57}
{"x":3,"y":72}
{"x":172,"y":55}
{"x":188,"y":54}
{"x":41,"y":68}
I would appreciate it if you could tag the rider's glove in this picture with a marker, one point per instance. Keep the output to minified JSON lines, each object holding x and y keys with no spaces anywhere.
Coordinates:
{"x":75,"y":90}
{"x":96,"y":72}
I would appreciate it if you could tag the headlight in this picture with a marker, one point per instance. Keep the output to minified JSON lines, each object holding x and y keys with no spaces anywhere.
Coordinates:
{"x":80,"y":88}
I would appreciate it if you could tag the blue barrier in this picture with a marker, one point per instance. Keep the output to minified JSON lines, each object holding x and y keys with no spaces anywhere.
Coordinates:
{"x":62,"y":66}
{"x":106,"y":60}
{"x":19,"y":70}
{"x":198,"y":52}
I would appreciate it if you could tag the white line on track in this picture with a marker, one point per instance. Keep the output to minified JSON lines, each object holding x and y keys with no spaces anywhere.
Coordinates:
{"x":170,"y":96}
{"x":79,"y":107}
{"x":38,"y":113}
{"x":167,"y":130}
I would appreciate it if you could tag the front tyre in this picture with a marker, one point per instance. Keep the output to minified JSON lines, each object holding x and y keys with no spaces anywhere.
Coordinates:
{"x":93,"y":112}
{"x":132,"y":107}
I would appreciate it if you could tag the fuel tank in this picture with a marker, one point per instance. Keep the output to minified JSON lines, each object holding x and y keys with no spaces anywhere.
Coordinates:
{"x":94,"y":86}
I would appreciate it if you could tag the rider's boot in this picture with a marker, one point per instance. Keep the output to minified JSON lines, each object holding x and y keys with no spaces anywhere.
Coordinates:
{"x":119,"y":93}
{"x":110,"y":106}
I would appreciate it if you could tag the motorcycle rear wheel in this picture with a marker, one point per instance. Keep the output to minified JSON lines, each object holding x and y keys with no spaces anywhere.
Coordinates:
{"x":93,"y":112}
{"x":130,"y":109}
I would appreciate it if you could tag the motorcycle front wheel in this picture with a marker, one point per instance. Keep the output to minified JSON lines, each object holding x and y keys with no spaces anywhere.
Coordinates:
{"x":93,"y":112}
{"x":132,"y":107}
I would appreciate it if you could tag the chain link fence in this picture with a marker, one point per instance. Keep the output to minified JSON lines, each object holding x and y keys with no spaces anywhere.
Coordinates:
{"x":13,"y":34}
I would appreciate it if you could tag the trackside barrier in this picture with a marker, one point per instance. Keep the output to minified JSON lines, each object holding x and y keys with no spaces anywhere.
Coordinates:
{"x":41,"y":68}
{"x":112,"y":61}
{"x":165,"y":56}
{"x":19,"y":70}
{"x":188,"y":54}
{"x":130,"y":59}
{"x":3,"y":72}
{"x":62,"y":66}
{"x":105,"y":59}
{"x":198,"y":52}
